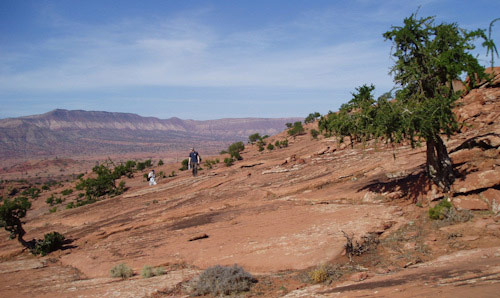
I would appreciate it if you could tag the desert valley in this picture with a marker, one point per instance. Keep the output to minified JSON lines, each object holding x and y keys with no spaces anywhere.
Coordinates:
{"x":312,"y":218}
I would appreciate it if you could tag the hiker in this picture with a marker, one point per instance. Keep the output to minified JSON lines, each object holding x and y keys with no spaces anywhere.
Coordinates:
{"x":194,"y":160}
{"x":151,"y":178}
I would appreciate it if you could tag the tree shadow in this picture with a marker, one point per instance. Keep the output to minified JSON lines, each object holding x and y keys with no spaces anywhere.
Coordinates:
{"x":410,"y":187}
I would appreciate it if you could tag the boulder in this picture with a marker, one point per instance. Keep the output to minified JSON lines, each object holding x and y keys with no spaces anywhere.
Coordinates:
{"x":492,"y":196}
{"x":470,"y":202}
{"x":478,"y":180}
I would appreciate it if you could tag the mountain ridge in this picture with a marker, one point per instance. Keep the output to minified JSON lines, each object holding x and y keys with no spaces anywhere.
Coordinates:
{"x":80,"y":132}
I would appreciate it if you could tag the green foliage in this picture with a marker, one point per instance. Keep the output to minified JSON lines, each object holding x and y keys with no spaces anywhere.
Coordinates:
{"x":172,"y":174}
{"x":53,"y":209}
{"x":219,"y":280}
{"x":277,"y":144}
{"x":11,"y":212}
{"x":184,"y":165}
{"x":289,"y":125}
{"x":67,"y":192}
{"x":50,"y":200}
{"x":490,"y":46}
{"x":314,"y":133}
{"x":284,"y":143}
{"x":145,"y":164}
{"x":296,"y":129}
{"x":51,"y":242}
{"x":228,"y":161}
{"x":32,"y":192}
{"x":210,"y":163}
{"x":160,"y":162}
{"x":270,"y":147}
{"x":104,"y":184}
{"x":261,"y":145}
{"x":254,"y":138}
{"x":440,"y":210}
{"x":235,"y":149}
{"x":122,"y":271}
{"x":149,"y":271}
{"x":312,"y":117}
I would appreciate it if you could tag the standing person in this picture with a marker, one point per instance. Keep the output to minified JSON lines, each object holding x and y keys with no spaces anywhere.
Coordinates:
{"x":194,"y":160}
{"x":151,"y":178}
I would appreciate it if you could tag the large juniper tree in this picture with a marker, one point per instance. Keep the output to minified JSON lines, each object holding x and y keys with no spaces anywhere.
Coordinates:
{"x":429,"y":58}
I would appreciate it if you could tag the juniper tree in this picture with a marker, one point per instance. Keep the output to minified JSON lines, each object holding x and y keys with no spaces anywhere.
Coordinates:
{"x":11,"y":212}
{"x":428,"y":58}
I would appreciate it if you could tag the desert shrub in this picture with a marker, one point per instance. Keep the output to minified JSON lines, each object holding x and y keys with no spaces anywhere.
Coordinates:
{"x":53,"y":209}
{"x":288,"y":125}
{"x":172,"y":174}
{"x":270,"y":147}
{"x":277,"y":144}
{"x":70,"y":205}
{"x":228,"y":161}
{"x":312,"y":117}
{"x":318,"y":275}
{"x":11,"y":212}
{"x":368,"y":242}
{"x":33,"y":192}
{"x":50,"y":200}
{"x":235,"y":149}
{"x":440,"y":210}
{"x":210,"y":163}
{"x":45,"y":187}
{"x":103,"y":184}
{"x":254,"y":138}
{"x":51,"y":242}
{"x":149,"y":271}
{"x":122,"y":271}
{"x":296,"y":129}
{"x":314,"y":133}
{"x":160,"y":162}
{"x":219,"y":280}
{"x":261,"y":145}
{"x":67,"y":192}
{"x":284,"y":143}
{"x":184,"y":165}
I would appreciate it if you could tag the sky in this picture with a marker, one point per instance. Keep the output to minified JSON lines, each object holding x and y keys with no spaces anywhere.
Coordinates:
{"x":208,"y":59}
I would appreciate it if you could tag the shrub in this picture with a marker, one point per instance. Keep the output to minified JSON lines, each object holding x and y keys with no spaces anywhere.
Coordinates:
{"x":235,"y":149}
{"x":254,"y":138}
{"x":228,"y":161}
{"x":270,"y":147}
{"x":50,"y":200}
{"x":284,"y":143}
{"x":312,"y":117}
{"x":33,"y":192}
{"x":11,"y":212}
{"x":172,"y":174}
{"x":289,"y":125}
{"x":67,"y":192}
{"x":277,"y":144}
{"x":314,"y":133}
{"x":219,"y":280}
{"x":122,"y":271}
{"x":210,"y":163}
{"x":184,"y":165}
{"x":296,"y":129}
{"x":160,"y":162}
{"x":149,"y":271}
{"x":319,"y":275}
{"x":440,"y":210}
{"x":51,"y":242}
{"x":53,"y":209}
{"x":261,"y":145}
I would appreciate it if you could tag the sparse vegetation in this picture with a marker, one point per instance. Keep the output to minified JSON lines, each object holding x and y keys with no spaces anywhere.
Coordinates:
{"x":296,"y":129}
{"x":122,"y":271}
{"x":219,"y":280}
{"x":312,"y":117}
{"x":270,"y":147}
{"x":184,"y":165}
{"x":67,"y":192}
{"x":314,"y":133}
{"x":368,"y":242}
{"x":254,"y":138}
{"x":440,"y":210}
{"x":160,"y":162}
{"x":149,"y":271}
{"x":235,"y":149}
{"x":228,"y":161}
{"x":51,"y":242}
{"x":210,"y":163}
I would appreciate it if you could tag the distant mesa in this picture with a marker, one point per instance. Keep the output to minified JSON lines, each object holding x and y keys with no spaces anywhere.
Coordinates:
{"x":73,"y":133}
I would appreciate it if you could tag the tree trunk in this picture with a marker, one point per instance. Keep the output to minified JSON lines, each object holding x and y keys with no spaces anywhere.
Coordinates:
{"x":439,"y":166}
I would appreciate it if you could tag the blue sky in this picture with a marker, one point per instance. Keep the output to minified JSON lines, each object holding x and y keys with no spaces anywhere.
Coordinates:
{"x":205,"y":59}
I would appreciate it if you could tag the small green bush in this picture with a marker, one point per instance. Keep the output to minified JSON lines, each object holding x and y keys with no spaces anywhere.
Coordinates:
{"x":184,"y":165}
{"x":67,"y":192}
{"x":254,"y":138}
{"x":296,"y":129}
{"x":440,"y":210}
{"x":219,"y":280}
{"x":314,"y":133}
{"x":51,"y":242}
{"x":149,"y":271}
{"x":160,"y":162}
{"x":270,"y":147}
{"x":228,"y":161}
{"x":284,"y":143}
{"x":53,"y":209}
{"x":122,"y":271}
